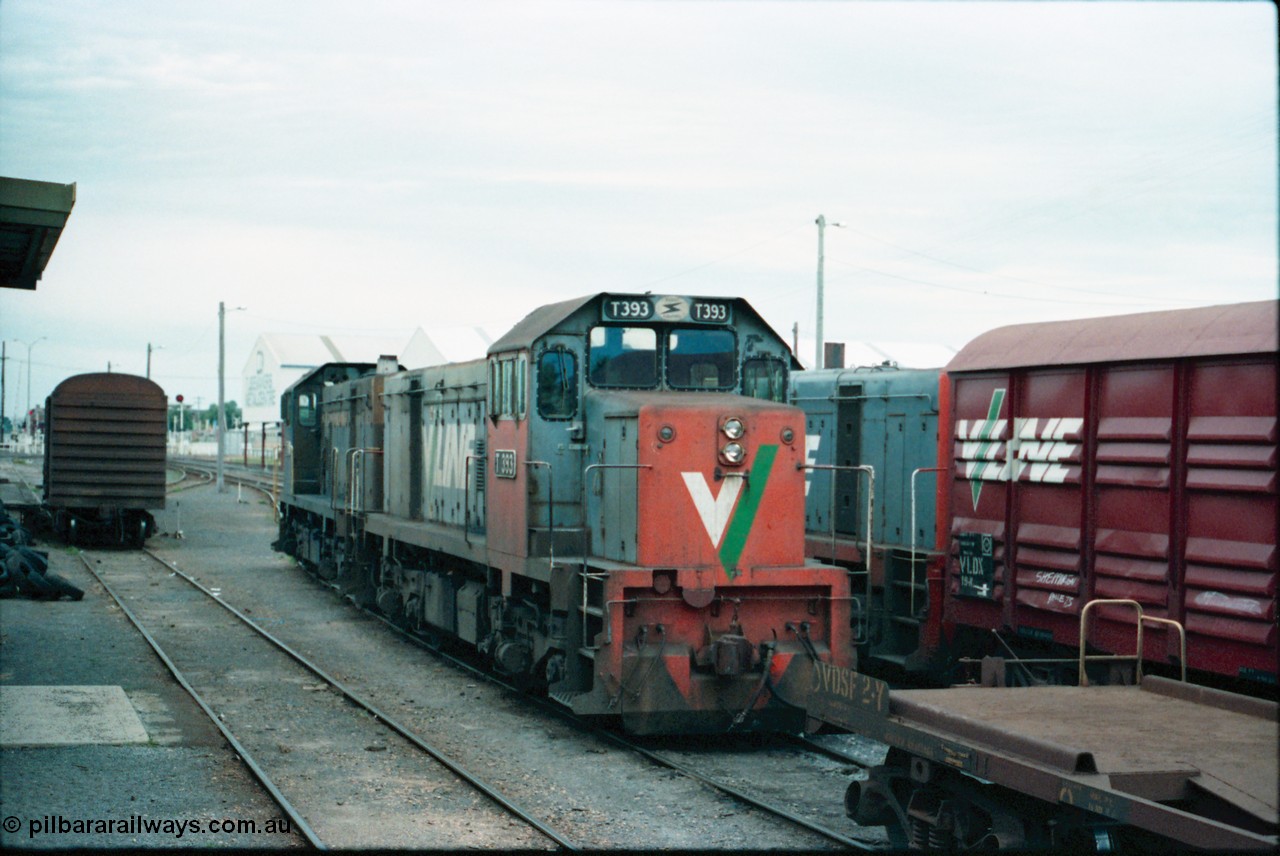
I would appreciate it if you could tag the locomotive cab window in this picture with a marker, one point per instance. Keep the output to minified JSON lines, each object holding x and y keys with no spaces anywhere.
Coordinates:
{"x":623,"y":357}
{"x":507,"y":387}
{"x":701,"y":359}
{"x":766,"y":378}
{"x":307,"y":409}
{"x":522,"y":392}
{"x":557,"y":384}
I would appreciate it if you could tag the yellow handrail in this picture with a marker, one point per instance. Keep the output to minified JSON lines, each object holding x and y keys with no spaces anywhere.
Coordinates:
{"x":1137,"y":655}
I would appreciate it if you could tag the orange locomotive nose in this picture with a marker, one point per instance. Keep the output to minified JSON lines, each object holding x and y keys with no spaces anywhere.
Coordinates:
{"x":716,"y":501}
{"x":721,"y":599}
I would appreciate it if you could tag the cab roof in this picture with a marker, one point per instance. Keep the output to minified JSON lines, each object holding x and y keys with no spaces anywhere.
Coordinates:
{"x":544,"y":319}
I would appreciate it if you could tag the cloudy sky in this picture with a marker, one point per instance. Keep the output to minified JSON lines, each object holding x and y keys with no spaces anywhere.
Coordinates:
{"x":366,"y":168}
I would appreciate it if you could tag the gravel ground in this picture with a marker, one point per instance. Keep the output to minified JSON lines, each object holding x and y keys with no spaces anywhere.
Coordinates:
{"x":184,"y":772}
{"x":356,"y":783}
{"x":600,"y":796}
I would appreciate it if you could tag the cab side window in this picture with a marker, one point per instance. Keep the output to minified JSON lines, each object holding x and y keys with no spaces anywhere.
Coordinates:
{"x":765,"y":377}
{"x":307,"y":409}
{"x":557,"y":384}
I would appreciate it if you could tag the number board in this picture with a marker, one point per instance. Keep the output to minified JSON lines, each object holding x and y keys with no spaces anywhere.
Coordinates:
{"x":977,"y":565}
{"x":674,"y":309}
{"x":504,"y":463}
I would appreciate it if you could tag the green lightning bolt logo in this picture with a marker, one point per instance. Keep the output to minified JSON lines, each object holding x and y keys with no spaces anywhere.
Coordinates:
{"x":985,"y":430}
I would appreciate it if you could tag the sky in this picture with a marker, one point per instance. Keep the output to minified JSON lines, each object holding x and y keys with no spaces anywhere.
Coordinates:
{"x":368,"y":168}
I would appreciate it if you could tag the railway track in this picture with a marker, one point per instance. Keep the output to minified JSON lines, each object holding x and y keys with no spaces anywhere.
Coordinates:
{"x":740,"y":776}
{"x":736,"y":783}
{"x":329,"y":727}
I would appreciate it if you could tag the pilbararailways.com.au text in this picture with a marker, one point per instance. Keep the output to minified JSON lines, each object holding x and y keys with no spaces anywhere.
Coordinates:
{"x":57,"y":824}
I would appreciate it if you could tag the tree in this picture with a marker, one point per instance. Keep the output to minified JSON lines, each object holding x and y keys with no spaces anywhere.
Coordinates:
{"x":234,"y":414}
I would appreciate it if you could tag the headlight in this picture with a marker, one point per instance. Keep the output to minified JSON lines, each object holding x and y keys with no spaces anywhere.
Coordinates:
{"x":733,"y":428}
{"x":733,"y":454}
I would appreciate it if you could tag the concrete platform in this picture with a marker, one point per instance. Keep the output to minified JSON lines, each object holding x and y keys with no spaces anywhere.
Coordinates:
{"x":93,"y":727}
{"x":67,"y":716}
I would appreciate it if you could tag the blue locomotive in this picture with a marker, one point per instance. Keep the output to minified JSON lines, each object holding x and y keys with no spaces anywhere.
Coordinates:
{"x":871,"y":442}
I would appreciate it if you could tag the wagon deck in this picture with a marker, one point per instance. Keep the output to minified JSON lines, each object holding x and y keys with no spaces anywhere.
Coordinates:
{"x":1192,"y":764}
{"x":1163,"y":741}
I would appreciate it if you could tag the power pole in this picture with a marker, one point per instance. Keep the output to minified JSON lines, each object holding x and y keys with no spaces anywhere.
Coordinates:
{"x":222,"y":366}
{"x":817,"y":330}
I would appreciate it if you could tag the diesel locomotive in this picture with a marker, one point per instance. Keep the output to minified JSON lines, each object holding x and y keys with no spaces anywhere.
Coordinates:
{"x":871,"y":440}
{"x":607,"y":508}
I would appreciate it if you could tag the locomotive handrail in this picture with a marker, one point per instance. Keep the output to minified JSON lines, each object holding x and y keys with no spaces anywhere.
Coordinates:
{"x":1138,"y":654}
{"x":466,"y":496}
{"x":586,"y":471}
{"x":355,"y":476}
{"x":352,"y":454}
{"x":915,"y":473}
{"x":925,"y":396}
{"x":551,"y":506}
{"x":871,"y":498}
{"x":333,"y":477}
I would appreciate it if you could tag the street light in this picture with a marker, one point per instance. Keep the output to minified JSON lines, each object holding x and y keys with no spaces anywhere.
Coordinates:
{"x":151,"y":348}
{"x":822,"y":225}
{"x":222,"y":368}
{"x":29,"y":347}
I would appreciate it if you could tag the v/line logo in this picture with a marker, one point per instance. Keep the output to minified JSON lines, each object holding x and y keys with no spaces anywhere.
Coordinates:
{"x":729,"y":515}
{"x":1038,"y":450}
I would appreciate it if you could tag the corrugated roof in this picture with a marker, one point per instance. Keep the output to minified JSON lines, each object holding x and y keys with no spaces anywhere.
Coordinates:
{"x":1239,"y":328}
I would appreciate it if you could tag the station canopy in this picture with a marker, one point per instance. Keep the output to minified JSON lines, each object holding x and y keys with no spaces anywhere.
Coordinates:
{"x":32,"y":216}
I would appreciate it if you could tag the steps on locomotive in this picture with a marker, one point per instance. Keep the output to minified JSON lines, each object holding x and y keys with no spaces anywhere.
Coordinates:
{"x":564,"y":697}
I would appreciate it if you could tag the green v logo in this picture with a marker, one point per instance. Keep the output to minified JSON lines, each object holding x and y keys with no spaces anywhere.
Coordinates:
{"x":729,"y":516}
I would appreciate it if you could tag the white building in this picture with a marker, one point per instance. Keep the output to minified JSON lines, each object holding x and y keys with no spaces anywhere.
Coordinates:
{"x":278,"y":359}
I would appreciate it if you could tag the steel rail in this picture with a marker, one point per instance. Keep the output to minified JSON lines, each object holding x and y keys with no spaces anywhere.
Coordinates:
{"x":457,"y":769}
{"x":620,"y":741}
{"x":257,"y":771}
{"x":610,"y":736}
